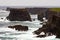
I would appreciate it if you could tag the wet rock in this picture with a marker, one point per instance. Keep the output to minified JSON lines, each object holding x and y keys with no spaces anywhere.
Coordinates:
{"x":41,"y":36}
{"x":19,"y":27}
{"x":52,"y":27}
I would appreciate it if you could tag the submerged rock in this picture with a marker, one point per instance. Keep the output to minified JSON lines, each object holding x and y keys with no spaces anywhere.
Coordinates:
{"x":19,"y":27}
{"x":18,"y":15}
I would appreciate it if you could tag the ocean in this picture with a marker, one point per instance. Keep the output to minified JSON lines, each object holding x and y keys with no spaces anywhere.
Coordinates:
{"x":12,"y":34}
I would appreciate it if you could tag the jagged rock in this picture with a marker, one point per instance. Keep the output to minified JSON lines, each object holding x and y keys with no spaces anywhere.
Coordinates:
{"x":18,"y":15}
{"x":19,"y":27}
{"x":52,"y":27}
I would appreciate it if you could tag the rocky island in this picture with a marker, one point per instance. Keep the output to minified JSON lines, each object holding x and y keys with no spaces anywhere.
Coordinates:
{"x":17,"y":14}
{"x":19,"y":27}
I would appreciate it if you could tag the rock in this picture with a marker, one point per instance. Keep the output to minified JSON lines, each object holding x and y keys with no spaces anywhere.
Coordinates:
{"x":49,"y":13}
{"x":40,"y":16}
{"x":39,"y":11}
{"x":41,"y":36}
{"x":18,"y":15}
{"x":52,"y":27}
{"x":19,"y":27}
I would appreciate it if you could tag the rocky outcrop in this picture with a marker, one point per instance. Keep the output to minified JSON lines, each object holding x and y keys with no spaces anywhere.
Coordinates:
{"x":52,"y":27}
{"x":17,"y":14}
{"x":19,"y":27}
{"x":39,"y":11}
{"x":49,"y":13}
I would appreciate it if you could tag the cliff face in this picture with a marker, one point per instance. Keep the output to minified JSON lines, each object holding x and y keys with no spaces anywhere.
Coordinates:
{"x":52,"y":27}
{"x":18,"y":15}
{"x":23,"y":15}
{"x":39,"y":11}
{"x":49,"y":13}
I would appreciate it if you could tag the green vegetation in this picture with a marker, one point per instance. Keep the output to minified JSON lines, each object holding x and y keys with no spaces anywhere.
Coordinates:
{"x":55,"y":9}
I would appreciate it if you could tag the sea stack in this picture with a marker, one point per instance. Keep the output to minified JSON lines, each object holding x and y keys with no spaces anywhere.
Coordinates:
{"x":18,"y":14}
{"x":52,"y":27}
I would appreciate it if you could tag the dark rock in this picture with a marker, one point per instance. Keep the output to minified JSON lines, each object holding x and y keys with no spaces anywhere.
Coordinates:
{"x":19,"y":27}
{"x":41,"y":36}
{"x":39,"y":11}
{"x":40,"y":16}
{"x":18,"y":15}
{"x":51,"y":27}
{"x":49,"y":13}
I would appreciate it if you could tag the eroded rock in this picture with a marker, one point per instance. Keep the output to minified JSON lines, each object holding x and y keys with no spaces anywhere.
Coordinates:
{"x":19,"y":27}
{"x":18,"y":15}
{"x":52,"y":27}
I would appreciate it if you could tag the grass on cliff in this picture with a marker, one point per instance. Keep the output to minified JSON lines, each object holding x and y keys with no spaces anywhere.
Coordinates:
{"x":55,"y":9}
